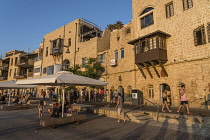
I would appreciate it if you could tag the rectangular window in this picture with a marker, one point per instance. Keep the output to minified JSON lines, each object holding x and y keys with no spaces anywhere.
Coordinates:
{"x":83,"y":62}
{"x":169,"y":10}
{"x":187,"y":4}
{"x":46,"y":51}
{"x":199,"y":36}
{"x":16,"y":60}
{"x":208,"y":31}
{"x":50,"y":70}
{"x":10,"y":72}
{"x":101,"y":58}
{"x":69,"y":42}
{"x":150,"y":91}
{"x":153,"y":44}
{"x":37,"y":70}
{"x":15,"y":72}
{"x":116,"y":55}
{"x":147,"y":20}
{"x":122,"y":53}
{"x":44,"y":70}
{"x":11,"y":62}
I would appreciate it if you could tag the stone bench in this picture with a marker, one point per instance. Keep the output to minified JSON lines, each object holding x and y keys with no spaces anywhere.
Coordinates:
{"x":14,"y":107}
{"x":54,"y":122}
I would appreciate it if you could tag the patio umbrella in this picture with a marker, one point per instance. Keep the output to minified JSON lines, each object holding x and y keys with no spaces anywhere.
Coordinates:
{"x":11,"y":85}
{"x":62,"y":79}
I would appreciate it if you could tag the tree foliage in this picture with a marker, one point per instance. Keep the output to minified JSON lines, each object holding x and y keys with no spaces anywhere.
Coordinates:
{"x":93,"y":69}
{"x":118,"y":25}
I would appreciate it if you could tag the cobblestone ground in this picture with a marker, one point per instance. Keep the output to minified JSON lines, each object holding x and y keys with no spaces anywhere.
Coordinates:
{"x":24,"y":124}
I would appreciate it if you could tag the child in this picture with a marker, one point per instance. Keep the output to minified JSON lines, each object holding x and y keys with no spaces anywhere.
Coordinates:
{"x":41,"y":108}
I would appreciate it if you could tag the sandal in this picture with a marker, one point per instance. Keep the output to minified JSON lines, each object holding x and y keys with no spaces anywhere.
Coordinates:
{"x":170,"y":111}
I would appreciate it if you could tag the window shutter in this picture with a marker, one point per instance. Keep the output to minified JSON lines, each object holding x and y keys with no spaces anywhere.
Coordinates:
{"x":208,"y":32}
{"x":172,"y":9}
{"x":203,"y":35}
{"x":190,"y":4}
{"x":185,"y":4}
{"x":195,"y":38}
{"x":167,"y":11}
{"x":57,"y":43}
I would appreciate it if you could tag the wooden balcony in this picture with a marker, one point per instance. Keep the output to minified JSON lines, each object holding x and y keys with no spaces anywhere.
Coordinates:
{"x":26,"y":63}
{"x":55,"y":51}
{"x":154,"y":55}
{"x":5,"y":68}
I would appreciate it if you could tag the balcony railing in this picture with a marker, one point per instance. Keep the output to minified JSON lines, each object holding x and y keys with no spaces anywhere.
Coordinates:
{"x":4,"y":67}
{"x":20,"y":76}
{"x":55,"y":51}
{"x":151,"y":55}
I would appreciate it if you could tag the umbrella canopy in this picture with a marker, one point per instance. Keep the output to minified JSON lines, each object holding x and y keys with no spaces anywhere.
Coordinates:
{"x":63,"y":78}
{"x":11,"y":85}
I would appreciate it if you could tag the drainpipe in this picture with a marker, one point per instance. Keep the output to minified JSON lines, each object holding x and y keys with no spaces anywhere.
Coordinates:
{"x":75,"y":46}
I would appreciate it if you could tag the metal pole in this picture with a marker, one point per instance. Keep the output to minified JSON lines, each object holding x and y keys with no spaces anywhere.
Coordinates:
{"x":140,"y":104}
{"x":63,"y":90}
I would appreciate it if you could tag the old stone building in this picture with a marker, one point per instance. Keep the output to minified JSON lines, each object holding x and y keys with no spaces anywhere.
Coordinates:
{"x":171,"y":41}
{"x":166,"y":45}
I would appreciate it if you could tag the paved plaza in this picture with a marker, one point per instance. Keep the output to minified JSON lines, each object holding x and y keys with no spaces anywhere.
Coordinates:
{"x":24,"y":124}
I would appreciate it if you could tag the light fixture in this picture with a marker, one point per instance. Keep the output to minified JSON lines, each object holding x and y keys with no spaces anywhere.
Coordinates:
{"x":67,"y":51}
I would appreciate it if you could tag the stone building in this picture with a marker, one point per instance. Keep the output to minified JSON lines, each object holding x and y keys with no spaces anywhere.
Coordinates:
{"x":172,"y":46}
{"x":165,"y":45}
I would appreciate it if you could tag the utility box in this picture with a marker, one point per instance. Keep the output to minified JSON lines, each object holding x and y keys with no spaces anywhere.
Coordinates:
{"x":137,"y":97}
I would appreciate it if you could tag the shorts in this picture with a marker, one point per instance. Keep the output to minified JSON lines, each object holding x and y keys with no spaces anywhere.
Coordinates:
{"x":164,"y":99}
{"x":184,"y":102}
{"x":119,"y":111}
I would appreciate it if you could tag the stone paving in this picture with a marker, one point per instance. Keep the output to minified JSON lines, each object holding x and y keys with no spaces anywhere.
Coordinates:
{"x":24,"y":124}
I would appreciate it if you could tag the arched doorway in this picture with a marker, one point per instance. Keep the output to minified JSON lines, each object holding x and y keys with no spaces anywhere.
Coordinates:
{"x":166,"y":87}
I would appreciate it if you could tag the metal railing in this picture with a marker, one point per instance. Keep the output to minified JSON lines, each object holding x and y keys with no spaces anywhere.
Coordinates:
{"x":157,"y":106}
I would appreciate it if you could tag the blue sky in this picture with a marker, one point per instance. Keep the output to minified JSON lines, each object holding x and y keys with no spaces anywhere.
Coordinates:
{"x":23,"y":23}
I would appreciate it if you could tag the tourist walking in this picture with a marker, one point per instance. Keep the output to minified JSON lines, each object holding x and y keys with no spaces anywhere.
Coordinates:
{"x":115,"y":96}
{"x":183,"y":100}
{"x":111,"y":96}
{"x":165,"y":104}
{"x":119,"y":108}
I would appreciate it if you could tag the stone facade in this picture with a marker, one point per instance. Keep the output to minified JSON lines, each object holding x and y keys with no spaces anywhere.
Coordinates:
{"x":166,"y":44}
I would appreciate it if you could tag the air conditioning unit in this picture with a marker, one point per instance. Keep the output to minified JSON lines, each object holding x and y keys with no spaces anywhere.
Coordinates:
{"x":113,"y":62}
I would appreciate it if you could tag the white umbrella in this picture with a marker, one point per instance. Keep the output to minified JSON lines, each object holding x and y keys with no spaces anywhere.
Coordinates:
{"x":11,"y":85}
{"x":63,"y":78}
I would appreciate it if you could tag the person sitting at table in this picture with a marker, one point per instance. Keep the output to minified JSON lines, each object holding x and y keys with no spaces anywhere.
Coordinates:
{"x":16,"y":101}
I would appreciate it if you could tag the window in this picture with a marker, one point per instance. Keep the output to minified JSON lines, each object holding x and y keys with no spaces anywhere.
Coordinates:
{"x":37,"y":70}
{"x":116,"y":55}
{"x":10,"y":72}
{"x":16,"y":60}
{"x":208,"y":31}
{"x":66,"y":64}
{"x":46,"y":51}
{"x":151,"y":43}
{"x":50,"y":70}
{"x":129,"y":91}
{"x":11,"y":62}
{"x":83,"y":62}
{"x":148,"y":18}
{"x":69,"y":42}
{"x":187,"y":4}
{"x":44,"y":70}
{"x":169,"y":10}
{"x":150,"y":91}
{"x":199,"y":36}
{"x":122,"y":53}
{"x":15,"y":73}
{"x":101,"y":58}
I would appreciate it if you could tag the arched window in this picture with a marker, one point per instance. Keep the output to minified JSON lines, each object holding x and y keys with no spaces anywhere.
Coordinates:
{"x":66,"y":64}
{"x":146,"y":17}
{"x":122,"y":53}
{"x":116,"y":54}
